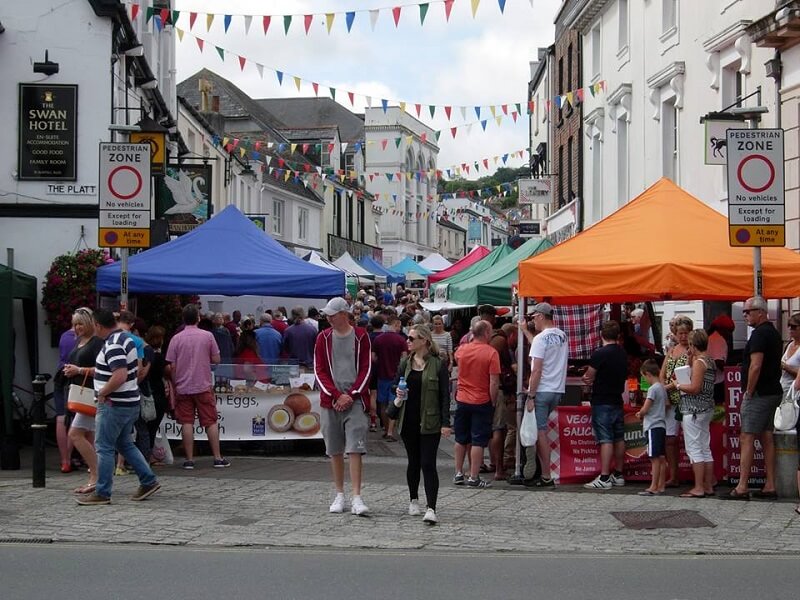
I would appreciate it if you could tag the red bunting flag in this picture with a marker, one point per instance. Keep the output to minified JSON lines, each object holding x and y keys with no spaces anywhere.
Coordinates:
{"x":267,"y":20}
{"x":505,"y":109}
{"x":383,"y":144}
{"x":315,"y":85}
{"x":485,"y":163}
{"x":424,"y":137}
{"x":281,"y":162}
{"x":257,"y":146}
{"x":199,"y":43}
{"x":453,"y":131}
{"x":330,"y":148}
{"x":418,"y":107}
{"x":448,"y":6}
{"x":242,"y":60}
{"x":305,"y":148}
{"x":307,"y":19}
{"x":135,"y":11}
{"x":396,"y":14}
{"x":164,"y":16}
{"x":579,"y":94}
{"x":192,"y":19}
{"x":351,"y":95}
{"x":514,"y":115}
{"x":530,"y":107}
{"x":447,"y":110}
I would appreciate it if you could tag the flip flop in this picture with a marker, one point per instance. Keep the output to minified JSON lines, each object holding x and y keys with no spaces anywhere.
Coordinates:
{"x":762,"y":495}
{"x":797,"y":509}
{"x":688,"y":495}
{"x":484,"y":468}
{"x":85,"y":489}
{"x":734,"y":495}
{"x":649,"y":493}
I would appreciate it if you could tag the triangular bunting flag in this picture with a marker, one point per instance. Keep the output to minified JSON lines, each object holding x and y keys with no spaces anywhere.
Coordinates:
{"x":221,"y":52}
{"x":352,"y":96}
{"x":453,"y":131}
{"x":499,"y":119}
{"x":248,"y":20}
{"x":402,"y":106}
{"x":396,"y":15}
{"x":447,"y":110}
{"x":463,"y":113}
{"x":423,"y":10}
{"x":397,"y":141}
{"x":448,"y":6}
{"x":199,"y":43}
{"x":514,"y":115}
{"x":180,"y":32}
{"x":134,"y":11}
{"x":373,"y":18}
{"x":149,"y":14}
{"x":384,"y":104}
{"x":297,"y":81}
{"x":209,"y":21}
{"x":192,"y":18}
{"x":329,"y":21}
{"x":307,"y":19}
{"x":383,"y":144}
{"x":260,"y":68}
{"x":227,"y":22}
{"x":287,"y":22}
{"x":579,"y":94}
{"x":315,"y":85}
{"x":478,"y":112}
{"x":418,"y":107}
{"x":432,"y":108}
{"x":568,"y":96}
{"x":280,"y":77}
{"x":266,"y":21}
{"x":475,"y":4}
{"x":349,"y":17}
{"x":502,"y":5}
{"x":242,"y":61}
{"x":437,"y":134}
{"x":305,"y":148}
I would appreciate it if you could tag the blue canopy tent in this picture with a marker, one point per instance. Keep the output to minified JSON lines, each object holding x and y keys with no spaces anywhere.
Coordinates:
{"x":373,"y":266}
{"x":408,"y":265}
{"x":227,"y":255}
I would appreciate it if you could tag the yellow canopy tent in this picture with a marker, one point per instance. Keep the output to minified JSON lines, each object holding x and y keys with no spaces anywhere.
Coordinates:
{"x":663,"y":245}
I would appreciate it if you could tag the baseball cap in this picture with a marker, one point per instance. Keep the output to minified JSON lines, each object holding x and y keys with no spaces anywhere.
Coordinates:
{"x":543,"y":308}
{"x":336,"y":305}
{"x":487,"y":309}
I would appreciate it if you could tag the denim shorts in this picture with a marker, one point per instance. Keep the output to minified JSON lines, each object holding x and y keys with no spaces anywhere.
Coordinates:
{"x":608,"y":423}
{"x":544,"y":404}
{"x":385,"y":394}
{"x":472,"y":423}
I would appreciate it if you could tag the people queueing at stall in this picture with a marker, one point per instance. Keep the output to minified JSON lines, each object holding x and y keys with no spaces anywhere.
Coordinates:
{"x":362,"y":347}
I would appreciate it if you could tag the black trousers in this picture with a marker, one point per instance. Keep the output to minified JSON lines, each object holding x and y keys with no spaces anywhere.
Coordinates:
{"x":422,"y":450}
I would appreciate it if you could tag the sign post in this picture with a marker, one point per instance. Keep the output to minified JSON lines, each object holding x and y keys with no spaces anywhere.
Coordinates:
{"x":756,"y":214}
{"x":124,"y":202}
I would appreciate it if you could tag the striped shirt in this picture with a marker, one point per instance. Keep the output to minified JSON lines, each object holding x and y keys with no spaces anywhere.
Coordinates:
{"x":118,"y":352}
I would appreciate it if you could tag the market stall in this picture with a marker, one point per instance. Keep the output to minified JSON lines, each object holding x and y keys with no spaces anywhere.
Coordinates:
{"x":349,"y":264}
{"x":625,"y":258}
{"x":435,"y":263}
{"x":476,"y":254}
{"x":410,"y":268}
{"x":226,"y":255}
{"x":373,"y":266}
{"x":440,"y":289}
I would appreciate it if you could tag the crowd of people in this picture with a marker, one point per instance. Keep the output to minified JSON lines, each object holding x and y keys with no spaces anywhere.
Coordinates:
{"x":382,"y":361}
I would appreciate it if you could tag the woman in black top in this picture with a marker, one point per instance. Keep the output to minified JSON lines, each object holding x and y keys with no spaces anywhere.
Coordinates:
{"x":80,"y":370}
{"x":155,"y":378}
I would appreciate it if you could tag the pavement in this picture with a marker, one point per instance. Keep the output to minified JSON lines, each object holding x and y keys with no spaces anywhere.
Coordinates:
{"x":280,"y":500}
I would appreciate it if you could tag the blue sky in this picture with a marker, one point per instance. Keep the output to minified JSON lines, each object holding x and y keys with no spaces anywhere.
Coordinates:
{"x":482,"y":61}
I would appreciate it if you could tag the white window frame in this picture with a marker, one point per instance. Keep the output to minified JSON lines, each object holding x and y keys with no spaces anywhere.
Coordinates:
{"x":278,"y":211}
{"x":623,"y":26}
{"x":302,"y":223}
{"x":669,"y":19}
{"x":597,"y":50}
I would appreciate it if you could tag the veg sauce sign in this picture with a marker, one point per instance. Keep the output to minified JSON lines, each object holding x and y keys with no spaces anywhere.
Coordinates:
{"x":48,"y":148}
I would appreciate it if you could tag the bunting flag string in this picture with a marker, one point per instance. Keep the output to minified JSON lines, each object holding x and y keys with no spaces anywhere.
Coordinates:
{"x":499,"y":112}
{"x":173,"y":17}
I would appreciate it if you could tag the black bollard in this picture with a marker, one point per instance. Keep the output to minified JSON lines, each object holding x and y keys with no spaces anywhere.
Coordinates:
{"x":39,"y":427}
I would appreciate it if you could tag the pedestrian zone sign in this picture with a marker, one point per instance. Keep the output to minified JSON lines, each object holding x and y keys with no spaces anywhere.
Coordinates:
{"x":124,"y":195}
{"x":756,"y":215}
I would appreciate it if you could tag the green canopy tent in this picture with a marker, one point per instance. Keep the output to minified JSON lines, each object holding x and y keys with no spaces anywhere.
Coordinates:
{"x":493,"y":285}
{"x":487,"y":262}
{"x":15,"y":285}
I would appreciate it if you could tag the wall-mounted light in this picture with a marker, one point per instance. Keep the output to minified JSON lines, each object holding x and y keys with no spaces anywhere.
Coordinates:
{"x":773,"y":68}
{"x":47,"y":67}
{"x":146,"y":84}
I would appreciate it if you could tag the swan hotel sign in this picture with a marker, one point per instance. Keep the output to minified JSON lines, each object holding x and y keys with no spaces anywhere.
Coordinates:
{"x":124,"y":195}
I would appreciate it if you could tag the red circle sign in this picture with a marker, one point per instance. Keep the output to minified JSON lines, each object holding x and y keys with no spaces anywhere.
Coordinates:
{"x":752,"y":188}
{"x":118,"y":194}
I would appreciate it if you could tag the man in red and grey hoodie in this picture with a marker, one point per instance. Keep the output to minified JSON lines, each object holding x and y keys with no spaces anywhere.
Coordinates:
{"x":342,"y":363}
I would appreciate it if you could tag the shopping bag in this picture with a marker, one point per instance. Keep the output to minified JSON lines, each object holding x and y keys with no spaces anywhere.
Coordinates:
{"x":528,"y":432}
{"x":81,"y":399}
{"x":788,"y":410}
{"x":162,"y":451}
{"x":147,"y":408}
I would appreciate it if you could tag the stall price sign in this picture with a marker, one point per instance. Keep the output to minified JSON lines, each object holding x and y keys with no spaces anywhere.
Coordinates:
{"x":755,"y":187}
{"x":124,"y":195}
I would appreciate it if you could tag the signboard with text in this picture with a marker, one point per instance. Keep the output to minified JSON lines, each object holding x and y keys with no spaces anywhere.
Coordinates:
{"x":124,"y":195}
{"x":755,"y":187}
{"x":535,"y":191}
{"x":48,"y":132}
{"x":184,"y":197}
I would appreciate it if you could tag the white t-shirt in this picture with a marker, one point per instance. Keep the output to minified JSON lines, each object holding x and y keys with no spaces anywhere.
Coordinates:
{"x":551,"y":346}
{"x":792,"y":361}
{"x":717,"y":350}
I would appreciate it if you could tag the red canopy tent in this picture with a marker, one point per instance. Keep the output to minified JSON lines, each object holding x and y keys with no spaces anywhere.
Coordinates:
{"x":476,"y":254}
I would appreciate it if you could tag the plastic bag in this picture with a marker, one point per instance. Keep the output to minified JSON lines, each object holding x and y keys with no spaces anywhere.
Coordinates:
{"x":528,"y":432}
{"x":787,"y":412}
{"x":162,"y":451}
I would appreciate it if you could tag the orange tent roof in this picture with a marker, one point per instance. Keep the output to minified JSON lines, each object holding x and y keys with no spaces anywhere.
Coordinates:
{"x":664,"y":245}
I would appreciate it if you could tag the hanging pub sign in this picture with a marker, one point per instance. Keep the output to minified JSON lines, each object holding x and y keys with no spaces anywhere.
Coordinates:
{"x":184,"y":197}
{"x":48,"y":132}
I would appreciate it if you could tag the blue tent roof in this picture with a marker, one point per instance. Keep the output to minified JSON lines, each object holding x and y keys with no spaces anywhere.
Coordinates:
{"x":373,"y":266}
{"x":226,"y":255}
{"x":408,"y":265}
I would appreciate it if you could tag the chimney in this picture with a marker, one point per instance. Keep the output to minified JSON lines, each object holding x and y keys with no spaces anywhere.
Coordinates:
{"x":215,"y":104}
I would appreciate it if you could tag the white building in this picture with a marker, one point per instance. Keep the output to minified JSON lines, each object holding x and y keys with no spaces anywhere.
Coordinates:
{"x":122,"y":71}
{"x":405,"y":184}
{"x":664,"y":64}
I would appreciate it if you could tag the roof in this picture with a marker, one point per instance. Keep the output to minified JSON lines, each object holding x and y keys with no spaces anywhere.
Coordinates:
{"x":451,"y":225}
{"x":475,"y":255}
{"x":623,"y":257}
{"x":294,"y":113}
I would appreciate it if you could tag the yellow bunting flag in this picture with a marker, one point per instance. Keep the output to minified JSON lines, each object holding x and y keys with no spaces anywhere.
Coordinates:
{"x":209,"y":21}
{"x":297,"y":81}
{"x":329,"y":20}
{"x":475,"y":4}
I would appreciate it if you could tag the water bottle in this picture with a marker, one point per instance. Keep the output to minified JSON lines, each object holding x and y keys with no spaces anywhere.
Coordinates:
{"x":401,"y":386}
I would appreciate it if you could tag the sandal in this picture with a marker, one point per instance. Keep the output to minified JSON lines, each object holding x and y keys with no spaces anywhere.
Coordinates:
{"x":85,"y":489}
{"x":734,"y":495}
{"x":484,"y":468}
{"x":690,"y":495}
{"x":762,"y":495}
{"x":797,"y":509}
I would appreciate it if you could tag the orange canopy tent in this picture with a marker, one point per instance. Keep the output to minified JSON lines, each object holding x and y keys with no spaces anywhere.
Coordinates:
{"x":664,"y":245}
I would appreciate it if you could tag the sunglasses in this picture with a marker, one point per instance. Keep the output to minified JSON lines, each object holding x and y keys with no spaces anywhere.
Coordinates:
{"x":411,"y":338}
{"x":747,"y":311}
{"x":793,"y":326}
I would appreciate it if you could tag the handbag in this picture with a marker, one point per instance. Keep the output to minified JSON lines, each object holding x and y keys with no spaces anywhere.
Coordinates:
{"x":81,"y":399}
{"x":528,"y":431}
{"x":788,"y":410}
{"x":147,"y":407}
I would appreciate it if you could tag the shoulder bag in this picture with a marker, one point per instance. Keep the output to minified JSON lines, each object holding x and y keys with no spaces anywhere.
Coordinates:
{"x":81,"y":399}
{"x":787,"y":412}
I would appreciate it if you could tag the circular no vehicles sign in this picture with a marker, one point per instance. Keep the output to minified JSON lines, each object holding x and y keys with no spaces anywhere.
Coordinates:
{"x":755,"y":166}
{"x":124,"y":176}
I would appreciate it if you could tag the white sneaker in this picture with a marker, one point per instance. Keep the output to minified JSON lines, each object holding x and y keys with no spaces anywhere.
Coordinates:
{"x":430,"y":517}
{"x":617,"y":481}
{"x":338,"y":504}
{"x":357,"y":506}
{"x":413,"y":509}
{"x":598,"y":484}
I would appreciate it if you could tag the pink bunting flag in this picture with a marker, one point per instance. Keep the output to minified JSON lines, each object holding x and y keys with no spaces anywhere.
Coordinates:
{"x":530,"y":107}
{"x":396,"y":14}
{"x":199,"y":43}
{"x":423,"y":137}
{"x":192,"y":19}
{"x":305,"y":148}
{"x":418,"y":107}
{"x":448,"y":6}
{"x":579,"y":94}
{"x":505,"y":109}
{"x":351,"y":95}
{"x":453,"y":131}
{"x":383,"y":143}
{"x":514,"y":115}
{"x":330,"y":148}
{"x":242,"y":61}
{"x":447,"y":110}
{"x":308,"y":19}
{"x":485,"y":163}
{"x":266,"y":22}
{"x":315,"y":85}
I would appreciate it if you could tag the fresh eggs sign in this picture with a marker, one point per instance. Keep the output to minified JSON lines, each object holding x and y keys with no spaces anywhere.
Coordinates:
{"x":48,"y":117}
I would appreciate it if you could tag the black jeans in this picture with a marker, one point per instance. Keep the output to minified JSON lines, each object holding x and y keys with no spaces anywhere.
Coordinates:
{"x":422,"y":450}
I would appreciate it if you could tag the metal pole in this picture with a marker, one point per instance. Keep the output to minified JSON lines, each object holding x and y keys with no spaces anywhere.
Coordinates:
{"x":123,"y":275}
{"x":517,"y":478}
{"x":758,"y":286}
{"x":38,"y":427}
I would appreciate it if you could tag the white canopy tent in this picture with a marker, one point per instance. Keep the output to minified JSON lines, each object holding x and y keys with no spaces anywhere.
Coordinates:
{"x":315,"y":258}
{"x":348,"y":264}
{"x":435,"y":262}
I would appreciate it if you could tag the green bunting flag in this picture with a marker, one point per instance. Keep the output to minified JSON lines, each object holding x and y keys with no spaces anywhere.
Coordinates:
{"x":423,"y":11}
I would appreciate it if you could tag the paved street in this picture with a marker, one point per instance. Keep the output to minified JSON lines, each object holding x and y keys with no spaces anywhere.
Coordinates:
{"x":282,"y":501}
